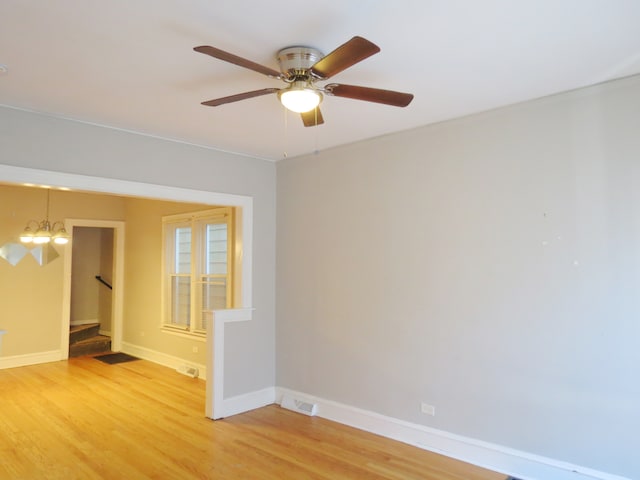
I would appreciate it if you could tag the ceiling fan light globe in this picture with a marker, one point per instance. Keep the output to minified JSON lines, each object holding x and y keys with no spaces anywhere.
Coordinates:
{"x":300,"y":100}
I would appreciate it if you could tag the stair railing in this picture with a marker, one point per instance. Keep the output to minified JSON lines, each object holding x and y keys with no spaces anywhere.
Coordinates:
{"x":101,"y":280}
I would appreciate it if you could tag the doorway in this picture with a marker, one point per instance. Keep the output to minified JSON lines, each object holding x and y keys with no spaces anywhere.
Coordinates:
{"x":91,"y":291}
{"x":93,"y":276}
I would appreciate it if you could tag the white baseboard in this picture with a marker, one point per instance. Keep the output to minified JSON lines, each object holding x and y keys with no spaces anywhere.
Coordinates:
{"x":30,"y":359}
{"x":248,"y":401}
{"x":162,"y":358}
{"x":522,"y":465}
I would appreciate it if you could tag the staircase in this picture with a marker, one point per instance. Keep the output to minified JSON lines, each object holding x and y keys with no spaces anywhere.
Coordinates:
{"x":86,"y":340}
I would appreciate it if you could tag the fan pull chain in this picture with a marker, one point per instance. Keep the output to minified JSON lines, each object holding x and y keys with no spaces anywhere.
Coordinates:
{"x":317,"y":132}
{"x":286,"y":133}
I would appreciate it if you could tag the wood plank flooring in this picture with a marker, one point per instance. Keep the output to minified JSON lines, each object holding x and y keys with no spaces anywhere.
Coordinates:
{"x":84,"y":419}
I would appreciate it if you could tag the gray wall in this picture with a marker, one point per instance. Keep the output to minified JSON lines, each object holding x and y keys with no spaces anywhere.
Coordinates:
{"x":41,"y":142}
{"x":488,"y":266}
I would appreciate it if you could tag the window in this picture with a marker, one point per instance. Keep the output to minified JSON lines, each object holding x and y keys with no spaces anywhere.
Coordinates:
{"x":198,"y":268}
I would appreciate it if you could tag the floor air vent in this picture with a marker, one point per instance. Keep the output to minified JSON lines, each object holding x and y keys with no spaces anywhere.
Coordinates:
{"x":299,"y":406}
{"x":188,"y":371}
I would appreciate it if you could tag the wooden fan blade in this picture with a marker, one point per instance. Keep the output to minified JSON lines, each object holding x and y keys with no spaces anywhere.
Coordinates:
{"x":242,"y":62}
{"x":239,"y":96}
{"x":388,"y":97}
{"x":346,"y":55}
{"x":312,"y":118}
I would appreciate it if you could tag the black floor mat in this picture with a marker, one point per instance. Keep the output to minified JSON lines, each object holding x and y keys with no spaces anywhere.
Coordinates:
{"x":113,"y":358}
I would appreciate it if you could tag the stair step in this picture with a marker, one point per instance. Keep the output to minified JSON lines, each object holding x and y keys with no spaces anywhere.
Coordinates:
{"x":77,"y":333}
{"x":90,"y":346}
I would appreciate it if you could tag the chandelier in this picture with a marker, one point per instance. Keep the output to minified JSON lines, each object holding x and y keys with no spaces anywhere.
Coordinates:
{"x":45,"y":231}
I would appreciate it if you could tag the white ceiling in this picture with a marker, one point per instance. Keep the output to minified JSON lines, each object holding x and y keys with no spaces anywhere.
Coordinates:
{"x":130,"y":64}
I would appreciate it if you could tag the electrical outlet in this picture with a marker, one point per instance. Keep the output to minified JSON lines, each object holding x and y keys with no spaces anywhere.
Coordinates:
{"x":428,"y":409}
{"x":195,"y":349}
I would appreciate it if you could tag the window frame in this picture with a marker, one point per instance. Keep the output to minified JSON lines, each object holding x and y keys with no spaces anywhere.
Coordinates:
{"x":197,"y":221}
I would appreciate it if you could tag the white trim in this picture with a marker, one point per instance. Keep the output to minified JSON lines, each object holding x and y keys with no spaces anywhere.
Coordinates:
{"x":29,"y":359}
{"x":160,"y":358}
{"x":248,"y":401}
{"x":522,"y":465}
{"x":215,"y":354}
{"x":215,"y":365}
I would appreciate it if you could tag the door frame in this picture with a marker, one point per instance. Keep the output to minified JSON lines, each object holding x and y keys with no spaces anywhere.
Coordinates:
{"x":118,"y":282}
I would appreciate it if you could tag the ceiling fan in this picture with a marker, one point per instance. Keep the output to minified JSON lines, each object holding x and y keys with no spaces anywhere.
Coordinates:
{"x":301,"y":68}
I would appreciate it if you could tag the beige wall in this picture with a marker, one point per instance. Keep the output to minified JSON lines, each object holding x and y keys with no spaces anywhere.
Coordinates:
{"x":143,"y":254}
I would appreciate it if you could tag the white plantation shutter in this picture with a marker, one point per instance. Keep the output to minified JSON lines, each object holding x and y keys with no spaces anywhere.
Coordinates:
{"x":214,"y":293}
{"x":198,"y":268}
{"x":181,"y":277}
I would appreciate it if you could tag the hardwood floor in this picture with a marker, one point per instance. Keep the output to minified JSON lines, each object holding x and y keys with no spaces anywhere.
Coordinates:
{"x":84,"y":419}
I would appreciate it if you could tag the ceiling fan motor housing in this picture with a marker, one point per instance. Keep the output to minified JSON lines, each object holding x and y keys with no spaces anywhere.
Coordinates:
{"x":295,"y":62}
